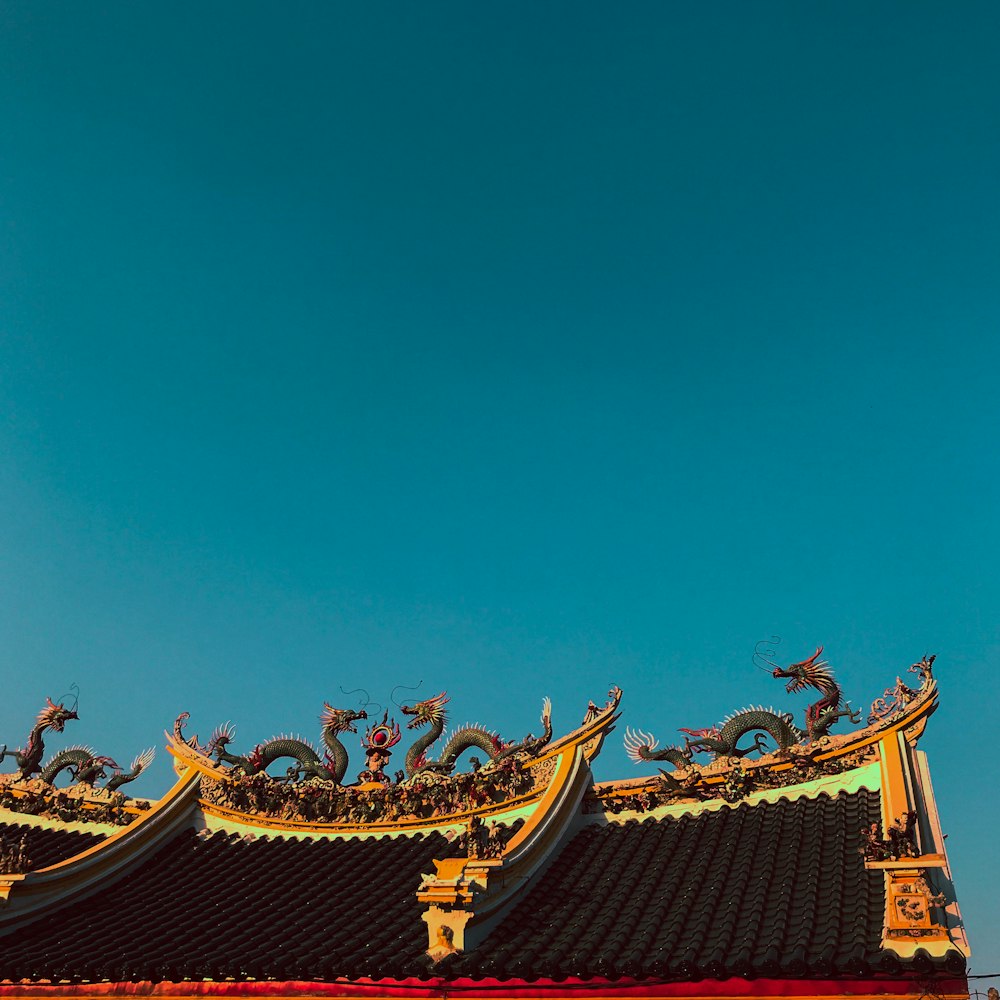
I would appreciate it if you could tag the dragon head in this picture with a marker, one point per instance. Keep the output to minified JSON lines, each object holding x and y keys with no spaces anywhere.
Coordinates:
{"x":340,"y":720}
{"x":55,"y":716}
{"x":426,"y":712}
{"x":800,"y":673}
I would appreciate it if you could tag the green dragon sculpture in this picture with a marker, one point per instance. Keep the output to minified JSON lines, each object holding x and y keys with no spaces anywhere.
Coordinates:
{"x":334,"y":722}
{"x":139,"y":764}
{"x":723,"y":740}
{"x":431,"y":712}
{"x":88,"y":767}
{"x":29,"y":757}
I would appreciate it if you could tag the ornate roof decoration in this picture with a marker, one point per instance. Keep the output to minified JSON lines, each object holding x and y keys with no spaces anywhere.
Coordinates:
{"x":895,"y":699}
{"x":779,"y":752}
{"x":32,"y":789}
{"x":313,"y":792}
{"x":370,"y":801}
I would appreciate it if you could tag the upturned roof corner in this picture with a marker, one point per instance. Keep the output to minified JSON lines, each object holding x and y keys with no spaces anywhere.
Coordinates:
{"x":466,"y":898}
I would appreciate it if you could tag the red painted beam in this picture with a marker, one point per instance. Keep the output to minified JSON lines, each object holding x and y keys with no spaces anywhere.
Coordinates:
{"x":492,"y":989}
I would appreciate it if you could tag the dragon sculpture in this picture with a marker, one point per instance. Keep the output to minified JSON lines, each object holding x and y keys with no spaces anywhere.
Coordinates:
{"x":334,"y":722}
{"x":431,"y":712}
{"x":723,"y":740}
{"x":87,"y":767}
{"x":29,"y":757}
{"x":139,"y":764}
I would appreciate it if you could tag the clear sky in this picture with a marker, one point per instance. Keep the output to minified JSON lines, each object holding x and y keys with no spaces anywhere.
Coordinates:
{"x":514,"y":348}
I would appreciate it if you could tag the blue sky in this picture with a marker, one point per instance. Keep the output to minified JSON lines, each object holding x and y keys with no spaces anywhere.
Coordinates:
{"x":518,"y":349}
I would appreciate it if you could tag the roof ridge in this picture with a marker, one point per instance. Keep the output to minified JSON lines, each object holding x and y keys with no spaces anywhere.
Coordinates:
{"x":867,"y":777}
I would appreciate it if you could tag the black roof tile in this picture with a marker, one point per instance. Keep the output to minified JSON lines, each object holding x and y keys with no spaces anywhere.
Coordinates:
{"x":768,"y":890}
{"x":273,"y":907}
{"x":44,"y":846}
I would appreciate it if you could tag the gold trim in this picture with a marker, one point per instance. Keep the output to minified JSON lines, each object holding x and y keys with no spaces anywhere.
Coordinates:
{"x":397,"y":826}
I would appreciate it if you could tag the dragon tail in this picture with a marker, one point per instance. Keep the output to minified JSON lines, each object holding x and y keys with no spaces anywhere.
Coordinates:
{"x":139,"y":764}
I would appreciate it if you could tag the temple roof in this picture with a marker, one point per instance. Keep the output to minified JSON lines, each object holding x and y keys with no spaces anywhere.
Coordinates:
{"x":819,"y":861}
{"x":769,"y":889}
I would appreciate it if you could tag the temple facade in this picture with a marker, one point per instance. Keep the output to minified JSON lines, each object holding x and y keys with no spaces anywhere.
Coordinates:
{"x":754,"y":858}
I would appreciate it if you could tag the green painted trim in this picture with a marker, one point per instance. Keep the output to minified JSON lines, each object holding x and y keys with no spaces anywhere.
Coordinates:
{"x":868,"y":777}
